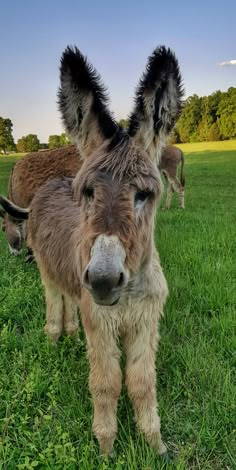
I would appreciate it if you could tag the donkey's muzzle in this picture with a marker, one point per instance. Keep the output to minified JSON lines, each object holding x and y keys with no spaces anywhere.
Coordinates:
{"x":105,"y":276}
{"x":104,"y":288}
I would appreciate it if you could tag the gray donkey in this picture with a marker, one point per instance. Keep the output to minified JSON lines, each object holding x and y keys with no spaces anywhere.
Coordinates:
{"x":92,"y":236}
{"x":171,"y":158}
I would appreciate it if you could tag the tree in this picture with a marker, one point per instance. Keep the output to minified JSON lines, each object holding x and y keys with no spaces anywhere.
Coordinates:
{"x":32,"y":143}
{"x":214,"y":133}
{"x":6,"y":137}
{"x":123,"y":123}
{"x":227,"y":114}
{"x":189,"y":120}
{"x":43,"y":146}
{"x":213,"y":102}
{"x":174,"y":137}
{"x":28,"y":143}
{"x":64,"y":139}
{"x":206,"y":120}
{"x":54,"y":141}
{"x":208,"y":117}
{"x":21,"y":145}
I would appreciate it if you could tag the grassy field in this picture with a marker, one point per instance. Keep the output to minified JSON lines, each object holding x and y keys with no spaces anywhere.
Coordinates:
{"x":45,"y":405}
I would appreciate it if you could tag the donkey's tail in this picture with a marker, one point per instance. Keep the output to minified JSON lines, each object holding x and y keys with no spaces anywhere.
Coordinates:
{"x":182,"y":175}
{"x":13,"y":210}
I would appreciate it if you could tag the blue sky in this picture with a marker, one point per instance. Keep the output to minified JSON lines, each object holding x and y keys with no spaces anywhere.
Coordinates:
{"x":117,"y":37}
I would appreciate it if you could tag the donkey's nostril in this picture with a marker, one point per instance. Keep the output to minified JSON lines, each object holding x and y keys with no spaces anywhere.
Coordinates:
{"x":86,"y":277}
{"x":121,"y":280}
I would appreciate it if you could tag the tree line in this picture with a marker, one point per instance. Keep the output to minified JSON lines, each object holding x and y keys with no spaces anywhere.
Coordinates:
{"x":31,"y":143}
{"x":207,"y":118}
{"x":202,"y":118}
{"x":28,"y":143}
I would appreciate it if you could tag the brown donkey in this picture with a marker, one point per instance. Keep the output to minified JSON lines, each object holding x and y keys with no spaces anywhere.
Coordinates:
{"x":170,"y":159}
{"x":26,"y":177}
{"x":93,"y":239}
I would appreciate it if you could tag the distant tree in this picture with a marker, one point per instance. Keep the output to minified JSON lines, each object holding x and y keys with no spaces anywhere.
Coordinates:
{"x":6,"y":137}
{"x":189,"y":120}
{"x":32,"y":143}
{"x":64,"y":139}
{"x":213,"y":104}
{"x":28,"y":143}
{"x":214,"y":133}
{"x":123,"y":123}
{"x":21,"y":145}
{"x":208,"y":117}
{"x":43,"y":146}
{"x":206,"y":120}
{"x":227,"y":114}
{"x":54,"y":141}
{"x":174,"y":138}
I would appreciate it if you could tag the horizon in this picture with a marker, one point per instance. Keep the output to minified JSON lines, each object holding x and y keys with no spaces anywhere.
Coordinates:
{"x":117,"y":41}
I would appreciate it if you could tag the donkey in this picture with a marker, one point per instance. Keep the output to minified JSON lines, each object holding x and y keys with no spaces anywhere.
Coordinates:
{"x":27,"y":175}
{"x":37,"y":168}
{"x":171,"y":157}
{"x":92,"y":236}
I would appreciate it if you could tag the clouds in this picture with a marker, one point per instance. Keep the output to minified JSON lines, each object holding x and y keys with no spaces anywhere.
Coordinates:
{"x":227,"y":62}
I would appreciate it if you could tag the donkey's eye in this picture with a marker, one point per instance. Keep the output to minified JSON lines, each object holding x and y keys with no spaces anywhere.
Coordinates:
{"x":89,"y":193}
{"x":141,"y":196}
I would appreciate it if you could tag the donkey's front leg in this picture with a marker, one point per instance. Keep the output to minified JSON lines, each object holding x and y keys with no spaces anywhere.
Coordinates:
{"x":141,"y":345}
{"x":105,"y":374}
{"x":105,"y":386}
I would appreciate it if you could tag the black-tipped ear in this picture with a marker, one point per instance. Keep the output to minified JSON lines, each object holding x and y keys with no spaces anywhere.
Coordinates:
{"x":13,"y":210}
{"x":157,"y":102}
{"x":83,"y":103}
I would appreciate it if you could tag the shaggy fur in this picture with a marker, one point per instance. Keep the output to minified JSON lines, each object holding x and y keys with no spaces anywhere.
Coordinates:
{"x":171,"y":158}
{"x":113,"y":198}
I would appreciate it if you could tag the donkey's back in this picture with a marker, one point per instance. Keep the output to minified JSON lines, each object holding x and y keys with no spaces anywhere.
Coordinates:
{"x":36,"y":168}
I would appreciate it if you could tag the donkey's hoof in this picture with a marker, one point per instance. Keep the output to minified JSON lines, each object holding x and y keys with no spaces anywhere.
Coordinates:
{"x":52,"y":333}
{"x":71,"y":329}
{"x":112,"y":454}
{"x":108,"y":456}
{"x":167,"y":457}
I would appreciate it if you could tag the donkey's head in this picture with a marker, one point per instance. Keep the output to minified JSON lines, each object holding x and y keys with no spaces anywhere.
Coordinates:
{"x":14,"y":231}
{"x":119,"y":184}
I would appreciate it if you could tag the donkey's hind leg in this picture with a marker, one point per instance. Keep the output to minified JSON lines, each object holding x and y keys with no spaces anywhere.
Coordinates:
{"x":169,"y":195}
{"x":70,"y":318}
{"x":177,"y":186}
{"x":54,"y":311}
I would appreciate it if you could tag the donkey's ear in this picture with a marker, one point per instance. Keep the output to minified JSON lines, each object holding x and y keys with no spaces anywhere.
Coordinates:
{"x":157,"y":102}
{"x":83,"y":103}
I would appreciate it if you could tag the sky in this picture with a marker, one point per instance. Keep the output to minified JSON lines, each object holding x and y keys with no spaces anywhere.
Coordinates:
{"x":117,"y":37}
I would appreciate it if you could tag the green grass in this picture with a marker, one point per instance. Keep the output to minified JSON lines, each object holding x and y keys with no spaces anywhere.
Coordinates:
{"x":45,"y":405}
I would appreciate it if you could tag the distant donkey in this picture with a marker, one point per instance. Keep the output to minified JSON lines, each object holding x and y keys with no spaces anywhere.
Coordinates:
{"x":26,"y":177}
{"x":170,"y":159}
{"x":93,"y":237}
